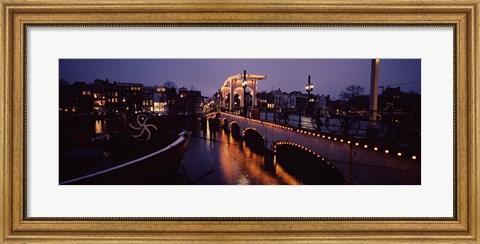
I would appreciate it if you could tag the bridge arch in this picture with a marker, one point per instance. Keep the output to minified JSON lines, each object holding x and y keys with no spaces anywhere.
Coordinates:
{"x":254,"y":139}
{"x":241,"y":96}
{"x":301,"y":161}
{"x":237,"y":100}
{"x":234,"y":83}
{"x":224,"y":125}
{"x":235,"y":129}
{"x":226,"y":102}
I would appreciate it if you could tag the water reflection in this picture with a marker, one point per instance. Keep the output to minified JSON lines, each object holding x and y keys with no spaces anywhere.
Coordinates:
{"x":286,"y":177}
{"x":100,"y":126}
{"x":222,"y":160}
{"x":231,"y":161}
{"x":216,"y":158}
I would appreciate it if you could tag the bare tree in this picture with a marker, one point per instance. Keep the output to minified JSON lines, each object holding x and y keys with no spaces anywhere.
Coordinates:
{"x":170,"y":84}
{"x":351,"y":92}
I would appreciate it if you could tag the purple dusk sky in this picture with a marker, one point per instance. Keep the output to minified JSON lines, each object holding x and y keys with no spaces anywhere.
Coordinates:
{"x":329,"y":76}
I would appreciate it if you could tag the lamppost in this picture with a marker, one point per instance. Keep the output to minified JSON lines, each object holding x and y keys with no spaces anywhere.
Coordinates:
{"x":217,"y":100}
{"x":308,"y":88}
{"x":244,"y":85}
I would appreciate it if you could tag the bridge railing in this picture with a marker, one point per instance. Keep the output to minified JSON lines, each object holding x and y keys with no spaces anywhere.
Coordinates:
{"x":393,"y":127}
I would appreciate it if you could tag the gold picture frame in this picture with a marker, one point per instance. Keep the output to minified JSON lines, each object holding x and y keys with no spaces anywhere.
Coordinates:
{"x":17,"y":14}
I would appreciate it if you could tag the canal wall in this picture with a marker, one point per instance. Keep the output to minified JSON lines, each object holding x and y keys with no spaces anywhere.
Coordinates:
{"x":359,"y":162}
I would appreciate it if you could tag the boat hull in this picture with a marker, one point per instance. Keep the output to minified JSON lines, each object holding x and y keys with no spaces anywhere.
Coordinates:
{"x":145,"y":170}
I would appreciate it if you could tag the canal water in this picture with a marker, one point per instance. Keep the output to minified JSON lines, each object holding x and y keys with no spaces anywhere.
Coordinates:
{"x":218,"y":158}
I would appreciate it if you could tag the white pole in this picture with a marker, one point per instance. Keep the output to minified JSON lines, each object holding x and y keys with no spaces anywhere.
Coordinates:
{"x":231,"y":96}
{"x":374,"y":93}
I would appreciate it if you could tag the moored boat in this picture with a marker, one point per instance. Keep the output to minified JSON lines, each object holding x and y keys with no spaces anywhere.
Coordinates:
{"x":141,"y":170}
{"x":145,"y":151}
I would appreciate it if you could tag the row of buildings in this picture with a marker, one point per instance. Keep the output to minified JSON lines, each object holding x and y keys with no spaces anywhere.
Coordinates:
{"x":391,"y":97}
{"x":276,"y":99}
{"x":273,"y":100}
{"x":104,"y":98}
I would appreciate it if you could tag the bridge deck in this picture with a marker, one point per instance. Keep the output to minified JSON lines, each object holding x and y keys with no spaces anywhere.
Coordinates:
{"x":360,"y":161}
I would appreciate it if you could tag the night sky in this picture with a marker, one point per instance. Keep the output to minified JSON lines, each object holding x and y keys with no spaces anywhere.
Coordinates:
{"x":329,"y":76}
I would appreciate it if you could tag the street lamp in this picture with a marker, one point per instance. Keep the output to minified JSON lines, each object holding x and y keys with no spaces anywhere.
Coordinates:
{"x":220,"y":99}
{"x":244,"y":85}
{"x":308,"y":88}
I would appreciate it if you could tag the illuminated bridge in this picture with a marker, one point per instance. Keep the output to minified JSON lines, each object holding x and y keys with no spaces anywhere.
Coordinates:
{"x":359,"y":161}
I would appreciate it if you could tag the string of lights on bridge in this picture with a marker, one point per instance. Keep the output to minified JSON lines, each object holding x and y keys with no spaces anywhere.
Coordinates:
{"x":326,"y":137}
{"x":300,"y":147}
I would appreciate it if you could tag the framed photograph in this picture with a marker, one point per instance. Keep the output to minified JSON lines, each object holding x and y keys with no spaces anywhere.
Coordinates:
{"x":241,"y":121}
